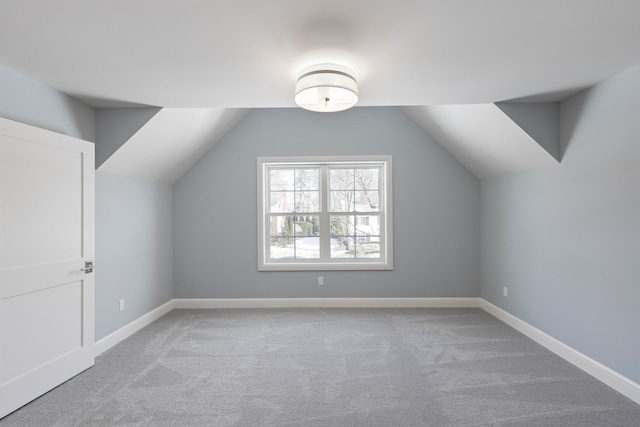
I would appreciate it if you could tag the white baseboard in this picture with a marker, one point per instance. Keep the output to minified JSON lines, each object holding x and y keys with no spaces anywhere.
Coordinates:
{"x":192,"y":303}
{"x":129,"y":329}
{"x":596,"y":369}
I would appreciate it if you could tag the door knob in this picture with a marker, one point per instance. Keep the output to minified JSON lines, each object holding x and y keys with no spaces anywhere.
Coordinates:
{"x":88,"y":267}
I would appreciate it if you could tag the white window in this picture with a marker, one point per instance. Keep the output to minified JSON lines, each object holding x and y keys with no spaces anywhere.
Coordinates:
{"x":363,"y":220}
{"x":364,"y":238}
{"x":325,"y":213}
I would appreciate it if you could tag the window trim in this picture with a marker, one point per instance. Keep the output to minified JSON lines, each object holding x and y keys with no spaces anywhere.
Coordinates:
{"x":386,"y":226}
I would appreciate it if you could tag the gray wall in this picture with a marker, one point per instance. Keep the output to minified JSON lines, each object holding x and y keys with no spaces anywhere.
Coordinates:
{"x":133,"y":218}
{"x":436,"y":210}
{"x":29,"y":101}
{"x":134,"y":249}
{"x":566,"y":241}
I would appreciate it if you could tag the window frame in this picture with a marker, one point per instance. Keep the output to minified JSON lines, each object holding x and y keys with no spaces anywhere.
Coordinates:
{"x":385,"y":214}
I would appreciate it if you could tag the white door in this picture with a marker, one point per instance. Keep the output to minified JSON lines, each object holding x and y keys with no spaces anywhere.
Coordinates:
{"x":46,"y":236}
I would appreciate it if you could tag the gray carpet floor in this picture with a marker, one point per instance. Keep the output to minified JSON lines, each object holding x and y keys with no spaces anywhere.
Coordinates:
{"x":329,"y":367}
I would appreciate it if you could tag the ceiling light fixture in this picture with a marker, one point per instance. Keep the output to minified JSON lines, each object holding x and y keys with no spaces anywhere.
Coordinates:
{"x":326,"y":88}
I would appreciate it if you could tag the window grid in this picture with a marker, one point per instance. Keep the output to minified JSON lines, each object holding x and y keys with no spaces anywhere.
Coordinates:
{"x":352,"y":226}
{"x":288,"y":223}
{"x":353,"y":237}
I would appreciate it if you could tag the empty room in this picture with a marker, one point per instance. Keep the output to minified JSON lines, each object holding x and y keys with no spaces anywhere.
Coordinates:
{"x":319,"y":213}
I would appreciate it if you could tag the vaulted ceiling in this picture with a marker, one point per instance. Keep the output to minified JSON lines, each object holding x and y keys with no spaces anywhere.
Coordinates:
{"x":246,"y":54}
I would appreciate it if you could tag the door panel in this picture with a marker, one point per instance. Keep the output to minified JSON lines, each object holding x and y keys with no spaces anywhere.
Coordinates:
{"x":51,"y":318}
{"x":46,"y":235}
{"x":41,"y":203}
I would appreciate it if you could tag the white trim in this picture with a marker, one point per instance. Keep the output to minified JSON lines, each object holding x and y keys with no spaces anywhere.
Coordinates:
{"x":131,"y":328}
{"x":592,"y":367}
{"x":325,"y":302}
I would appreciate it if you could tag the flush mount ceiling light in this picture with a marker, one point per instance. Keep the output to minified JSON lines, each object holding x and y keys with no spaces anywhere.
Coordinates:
{"x":326,"y":88}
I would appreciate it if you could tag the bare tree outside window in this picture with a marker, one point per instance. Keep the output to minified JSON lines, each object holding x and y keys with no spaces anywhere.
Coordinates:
{"x":296,"y":193}
{"x":354,"y":198}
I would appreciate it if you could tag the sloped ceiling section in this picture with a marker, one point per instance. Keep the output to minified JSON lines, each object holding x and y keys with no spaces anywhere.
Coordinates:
{"x":114,"y":127}
{"x":489,"y":142}
{"x":541,"y":120}
{"x":171,"y":142}
{"x":488,"y":139}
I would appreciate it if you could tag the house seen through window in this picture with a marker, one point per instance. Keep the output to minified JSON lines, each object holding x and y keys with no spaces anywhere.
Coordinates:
{"x":322,"y":213}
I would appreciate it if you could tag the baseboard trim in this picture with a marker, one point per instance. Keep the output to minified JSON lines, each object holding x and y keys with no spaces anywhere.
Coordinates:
{"x":131,"y":328}
{"x":592,"y":367}
{"x":195,"y":303}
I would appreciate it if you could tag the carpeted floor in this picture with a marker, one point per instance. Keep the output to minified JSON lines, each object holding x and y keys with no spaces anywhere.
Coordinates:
{"x":329,"y":367}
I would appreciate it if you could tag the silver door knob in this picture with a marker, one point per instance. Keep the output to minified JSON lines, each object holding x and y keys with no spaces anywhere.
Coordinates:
{"x":88,"y":267}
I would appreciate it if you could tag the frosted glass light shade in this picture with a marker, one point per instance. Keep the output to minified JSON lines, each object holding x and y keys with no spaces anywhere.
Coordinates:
{"x":326,"y":88}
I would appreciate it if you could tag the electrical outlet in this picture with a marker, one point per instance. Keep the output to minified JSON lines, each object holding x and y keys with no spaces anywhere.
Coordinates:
{"x":505,"y":291}
{"x":122,"y":305}
{"x":320,"y":280}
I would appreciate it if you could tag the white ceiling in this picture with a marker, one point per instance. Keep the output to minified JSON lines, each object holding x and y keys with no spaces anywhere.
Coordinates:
{"x":246,"y":54}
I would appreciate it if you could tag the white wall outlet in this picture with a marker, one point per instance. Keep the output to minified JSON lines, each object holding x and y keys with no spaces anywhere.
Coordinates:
{"x":320,"y":280}
{"x":122,"y":305}
{"x":505,"y":291}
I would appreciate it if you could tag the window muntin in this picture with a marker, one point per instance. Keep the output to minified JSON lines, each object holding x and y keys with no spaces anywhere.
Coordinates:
{"x":324,"y":213}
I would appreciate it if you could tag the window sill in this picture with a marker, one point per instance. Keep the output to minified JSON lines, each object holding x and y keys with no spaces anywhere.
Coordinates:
{"x":364,"y":266}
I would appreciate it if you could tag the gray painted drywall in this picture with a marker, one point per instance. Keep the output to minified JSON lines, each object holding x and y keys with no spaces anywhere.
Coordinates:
{"x":541,"y":121}
{"x":29,"y":101}
{"x":132,"y":217}
{"x":114,"y":127}
{"x":436,"y":210}
{"x":566,"y":241}
{"x":134,"y":245}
